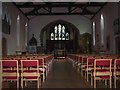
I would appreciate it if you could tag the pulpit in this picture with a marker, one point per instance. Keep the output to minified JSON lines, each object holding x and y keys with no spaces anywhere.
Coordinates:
{"x":32,"y":45}
{"x":32,"y":49}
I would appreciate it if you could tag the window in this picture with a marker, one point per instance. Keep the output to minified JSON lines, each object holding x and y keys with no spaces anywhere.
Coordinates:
{"x":59,"y":33}
{"x":67,"y":36}
{"x":94,"y":33}
{"x":6,"y":23}
{"x":52,"y":36}
{"x":102,"y":29}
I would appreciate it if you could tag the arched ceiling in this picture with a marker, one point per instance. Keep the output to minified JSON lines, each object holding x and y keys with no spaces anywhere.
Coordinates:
{"x":32,"y":9}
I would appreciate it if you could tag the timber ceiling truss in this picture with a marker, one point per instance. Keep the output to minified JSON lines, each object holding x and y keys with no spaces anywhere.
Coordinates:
{"x":88,"y":9}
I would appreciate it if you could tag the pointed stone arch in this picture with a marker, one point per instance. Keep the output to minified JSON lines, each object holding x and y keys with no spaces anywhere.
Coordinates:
{"x":69,"y":25}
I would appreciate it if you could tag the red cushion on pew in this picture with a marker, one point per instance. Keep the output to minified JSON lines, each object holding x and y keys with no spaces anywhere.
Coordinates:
{"x":103,"y":70}
{"x":100,"y":70}
{"x":10,"y":71}
{"x":30,"y":71}
{"x":104,"y":77}
{"x":10,"y":78}
{"x":30,"y":77}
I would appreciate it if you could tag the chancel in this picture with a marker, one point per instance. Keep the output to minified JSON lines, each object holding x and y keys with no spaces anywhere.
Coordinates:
{"x":59,"y":44}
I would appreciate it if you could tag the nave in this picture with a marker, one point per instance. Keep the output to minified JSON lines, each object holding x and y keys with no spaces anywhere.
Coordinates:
{"x":34,"y":35}
{"x":62,"y":74}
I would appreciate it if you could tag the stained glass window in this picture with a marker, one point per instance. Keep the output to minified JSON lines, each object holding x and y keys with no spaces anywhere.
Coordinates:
{"x":67,"y":36}
{"x":59,"y":33}
{"x":52,"y":36}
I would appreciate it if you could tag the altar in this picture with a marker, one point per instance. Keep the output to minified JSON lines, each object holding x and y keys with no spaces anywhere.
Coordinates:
{"x":59,"y":54}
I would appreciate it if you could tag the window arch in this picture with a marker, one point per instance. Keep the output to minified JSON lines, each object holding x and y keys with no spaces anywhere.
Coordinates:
{"x":59,"y":33}
{"x":6,"y":21}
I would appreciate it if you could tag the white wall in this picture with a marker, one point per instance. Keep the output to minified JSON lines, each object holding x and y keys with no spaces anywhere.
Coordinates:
{"x":110,"y":13}
{"x":0,"y":45}
{"x":119,"y":10}
{"x":0,"y":29}
{"x":13,"y":12}
{"x":38,"y":22}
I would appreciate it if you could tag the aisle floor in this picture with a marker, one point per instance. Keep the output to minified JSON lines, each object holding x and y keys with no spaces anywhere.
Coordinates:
{"x":62,"y":75}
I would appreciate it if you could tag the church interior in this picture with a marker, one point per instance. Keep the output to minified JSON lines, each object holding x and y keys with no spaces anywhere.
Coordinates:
{"x":59,"y":44}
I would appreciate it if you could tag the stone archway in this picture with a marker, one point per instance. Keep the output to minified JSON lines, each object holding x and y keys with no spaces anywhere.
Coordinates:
{"x":74,"y":37}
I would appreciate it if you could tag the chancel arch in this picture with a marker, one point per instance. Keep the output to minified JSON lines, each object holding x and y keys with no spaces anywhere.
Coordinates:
{"x":60,"y":34}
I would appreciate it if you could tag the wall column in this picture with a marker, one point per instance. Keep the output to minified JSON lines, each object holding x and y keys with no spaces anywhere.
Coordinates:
{"x":0,"y":44}
{"x":26,"y":37}
{"x":18,"y":33}
{"x":44,"y":41}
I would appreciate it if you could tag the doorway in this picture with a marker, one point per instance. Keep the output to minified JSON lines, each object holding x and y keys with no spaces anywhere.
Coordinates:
{"x":4,"y":46}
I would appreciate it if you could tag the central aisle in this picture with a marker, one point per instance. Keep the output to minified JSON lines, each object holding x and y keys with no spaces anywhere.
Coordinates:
{"x":62,"y":75}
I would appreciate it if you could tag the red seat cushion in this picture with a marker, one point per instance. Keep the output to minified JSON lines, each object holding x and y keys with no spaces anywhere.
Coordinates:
{"x":10,"y":77}
{"x":104,"y":77}
{"x":9,"y":71}
{"x":102,"y":70}
{"x":30,"y":71}
{"x":30,"y":77}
